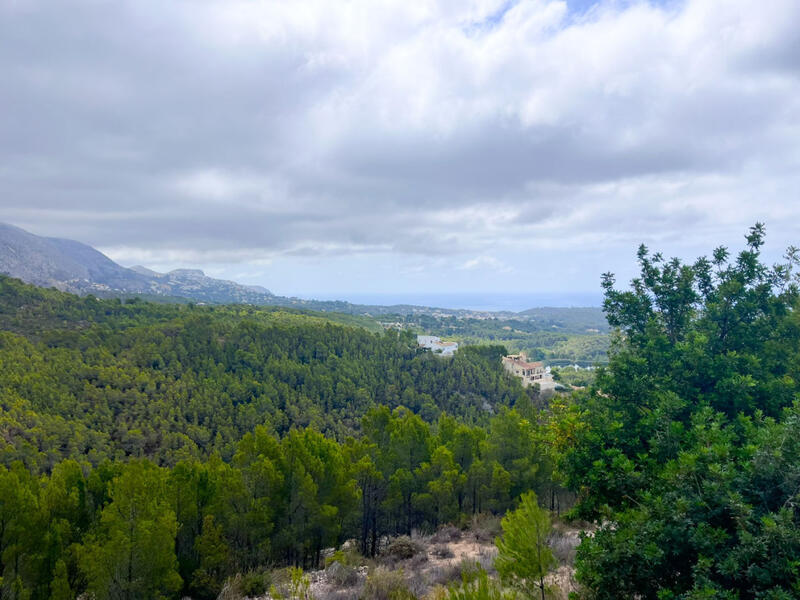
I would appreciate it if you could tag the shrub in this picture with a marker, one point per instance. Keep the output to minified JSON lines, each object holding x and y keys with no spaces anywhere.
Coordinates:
{"x":444,"y":574}
{"x":404,"y":547}
{"x":448,"y":533}
{"x":416,"y":562}
{"x":255,"y":583}
{"x":383,"y":584}
{"x":346,"y":556}
{"x":299,"y":586}
{"x":563,"y":546}
{"x":486,"y":558}
{"x":481,"y":587}
{"x":241,"y":585}
{"x":292,"y":584}
{"x":341,"y":575}
{"x":470,"y":570}
{"x":232,"y":588}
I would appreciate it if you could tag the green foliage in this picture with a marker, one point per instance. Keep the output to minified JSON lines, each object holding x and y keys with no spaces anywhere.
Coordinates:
{"x":687,"y":448}
{"x":59,"y":587}
{"x":213,"y":553}
{"x":254,"y":583}
{"x":132,"y":554}
{"x":299,"y":585}
{"x":523,"y":557}
{"x":570,"y":376}
{"x":155,"y":451}
{"x":348,"y":557}
{"x":479,"y":586}
{"x":97,"y":379}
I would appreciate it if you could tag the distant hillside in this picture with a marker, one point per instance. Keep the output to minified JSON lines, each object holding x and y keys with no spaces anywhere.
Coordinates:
{"x":588,"y":319}
{"x":75,"y":267}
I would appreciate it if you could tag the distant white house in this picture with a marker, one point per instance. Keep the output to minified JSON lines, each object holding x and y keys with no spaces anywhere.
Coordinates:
{"x":529,"y":372}
{"x":436,"y":345}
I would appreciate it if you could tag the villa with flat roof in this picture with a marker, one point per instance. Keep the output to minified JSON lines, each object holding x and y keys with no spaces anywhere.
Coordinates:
{"x":530,"y":372}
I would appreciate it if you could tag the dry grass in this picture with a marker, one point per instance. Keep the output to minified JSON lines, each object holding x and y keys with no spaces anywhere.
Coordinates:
{"x":485,"y":527}
{"x":443,"y":574}
{"x":423,"y":567}
{"x":383,"y":584}
{"x":442,"y":551}
{"x":446,"y":535}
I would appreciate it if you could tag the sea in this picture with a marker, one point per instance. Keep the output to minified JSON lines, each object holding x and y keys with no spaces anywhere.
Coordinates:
{"x":495,"y":301}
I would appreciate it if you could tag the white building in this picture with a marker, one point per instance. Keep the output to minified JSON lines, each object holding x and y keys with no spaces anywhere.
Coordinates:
{"x":529,"y":372}
{"x":436,"y":345}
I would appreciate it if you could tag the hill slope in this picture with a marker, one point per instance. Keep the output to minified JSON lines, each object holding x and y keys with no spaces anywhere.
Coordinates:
{"x":115,"y":379}
{"x":78,"y":268}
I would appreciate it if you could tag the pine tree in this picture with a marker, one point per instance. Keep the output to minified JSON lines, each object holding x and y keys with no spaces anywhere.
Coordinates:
{"x":523,"y":557}
{"x":59,"y":586}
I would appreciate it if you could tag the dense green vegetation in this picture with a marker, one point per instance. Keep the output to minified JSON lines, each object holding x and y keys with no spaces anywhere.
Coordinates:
{"x":152,"y":450}
{"x":132,"y":529}
{"x":90,"y":379}
{"x":688,"y":450}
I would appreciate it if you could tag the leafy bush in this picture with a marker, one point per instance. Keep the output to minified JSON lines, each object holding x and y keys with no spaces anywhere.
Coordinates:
{"x":348,"y":557}
{"x":291,"y":584}
{"x":250,"y":584}
{"x":404,"y":547}
{"x":255,"y":583}
{"x":341,"y":575}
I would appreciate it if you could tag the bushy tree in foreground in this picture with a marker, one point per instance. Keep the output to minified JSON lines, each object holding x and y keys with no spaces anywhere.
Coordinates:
{"x":688,"y":451}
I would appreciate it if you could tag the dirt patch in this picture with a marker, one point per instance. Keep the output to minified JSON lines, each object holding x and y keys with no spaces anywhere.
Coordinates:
{"x":561,"y":582}
{"x":461,"y":551}
{"x":440,"y":560}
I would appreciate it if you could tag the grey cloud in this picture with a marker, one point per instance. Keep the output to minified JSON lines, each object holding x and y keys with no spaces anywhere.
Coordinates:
{"x":346,"y":143}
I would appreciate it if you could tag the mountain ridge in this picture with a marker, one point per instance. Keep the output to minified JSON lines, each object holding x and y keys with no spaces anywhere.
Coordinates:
{"x":75,"y":267}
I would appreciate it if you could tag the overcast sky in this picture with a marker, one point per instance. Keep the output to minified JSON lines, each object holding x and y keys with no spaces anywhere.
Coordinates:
{"x":332,"y":148}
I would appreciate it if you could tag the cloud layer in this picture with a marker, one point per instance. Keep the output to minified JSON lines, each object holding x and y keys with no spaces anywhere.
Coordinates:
{"x":366,"y":146}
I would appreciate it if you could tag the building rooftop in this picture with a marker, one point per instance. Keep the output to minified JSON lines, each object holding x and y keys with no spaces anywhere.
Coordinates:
{"x":522,"y":361}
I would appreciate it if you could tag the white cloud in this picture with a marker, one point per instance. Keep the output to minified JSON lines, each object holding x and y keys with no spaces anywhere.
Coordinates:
{"x":234,"y":131}
{"x":486,"y":262}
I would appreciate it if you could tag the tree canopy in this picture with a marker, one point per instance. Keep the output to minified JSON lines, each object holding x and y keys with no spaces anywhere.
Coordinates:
{"x":152,"y":451}
{"x":687,"y":448}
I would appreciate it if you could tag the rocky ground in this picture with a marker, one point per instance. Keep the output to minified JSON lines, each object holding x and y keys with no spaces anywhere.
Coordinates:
{"x":417,"y":567}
